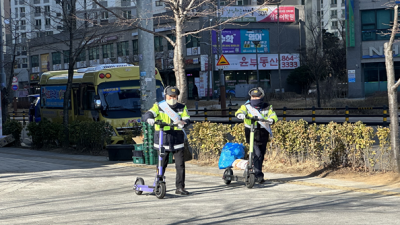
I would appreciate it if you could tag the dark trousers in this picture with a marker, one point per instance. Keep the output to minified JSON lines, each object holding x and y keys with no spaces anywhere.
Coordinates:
{"x":258,"y":159}
{"x":179,"y":166}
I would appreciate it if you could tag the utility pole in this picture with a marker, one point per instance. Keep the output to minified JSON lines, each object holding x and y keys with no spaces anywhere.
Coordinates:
{"x":3,"y":74}
{"x":221,"y":71}
{"x":256,"y":43}
{"x":146,"y":55}
{"x":279,"y":54}
{"x":209,"y":66}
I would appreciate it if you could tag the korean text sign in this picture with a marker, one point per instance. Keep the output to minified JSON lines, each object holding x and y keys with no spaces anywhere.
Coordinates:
{"x":235,"y":41}
{"x":265,"y":14}
{"x":265,"y":61}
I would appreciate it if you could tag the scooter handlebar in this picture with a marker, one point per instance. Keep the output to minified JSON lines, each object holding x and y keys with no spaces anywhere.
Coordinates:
{"x":162,"y":124}
{"x":255,"y":118}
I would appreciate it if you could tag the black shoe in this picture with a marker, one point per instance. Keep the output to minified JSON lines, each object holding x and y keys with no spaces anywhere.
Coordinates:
{"x":260,"y":180}
{"x":181,"y":191}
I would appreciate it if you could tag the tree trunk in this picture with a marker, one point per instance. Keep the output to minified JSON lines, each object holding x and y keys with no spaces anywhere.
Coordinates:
{"x":318,"y":94}
{"x":179,"y":63}
{"x":392,"y":95}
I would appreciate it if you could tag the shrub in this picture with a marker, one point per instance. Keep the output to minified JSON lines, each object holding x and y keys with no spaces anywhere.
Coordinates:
{"x":207,"y":139}
{"x":15,"y":128}
{"x":45,"y":134}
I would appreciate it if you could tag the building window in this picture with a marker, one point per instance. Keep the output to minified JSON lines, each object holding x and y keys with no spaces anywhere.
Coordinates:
{"x":37,"y":10}
{"x":333,"y":2}
{"x":94,"y":53}
{"x":376,"y":23}
{"x":23,"y":22}
{"x":333,"y":13}
{"x":38,"y":24}
{"x":82,"y":56}
{"x":123,"y":48}
{"x":104,"y":15}
{"x":334,"y":24}
{"x":47,"y":9}
{"x":127,"y":14}
{"x":158,"y":47}
{"x":66,"y":56}
{"x":108,"y":51}
{"x":56,"y":57}
{"x":242,"y":2}
{"x":48,"y":22}
{"x":48,"y":33}
{"x":172,"y":37}
{"x":34,"y":61}
{"x":135,"y":44}
{"x":23,"y":35}
{"x":159,"y":3}
{"x":192,"y":41}
{"x":22,"y":10}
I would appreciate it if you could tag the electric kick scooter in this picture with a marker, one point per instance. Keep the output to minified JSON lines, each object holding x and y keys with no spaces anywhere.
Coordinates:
{"x":249,"y":176}
{"x":158,"y":187}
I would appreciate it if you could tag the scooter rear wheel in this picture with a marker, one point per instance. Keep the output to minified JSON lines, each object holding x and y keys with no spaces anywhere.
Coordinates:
{"x":251,"y":181}
{"x":139,"y":181}
{"x":160,"y":190}
{"x":228,"y":172}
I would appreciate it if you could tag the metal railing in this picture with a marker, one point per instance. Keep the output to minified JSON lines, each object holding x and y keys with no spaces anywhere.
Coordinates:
{"x":22,"y":114}
{"x":313,"y":109}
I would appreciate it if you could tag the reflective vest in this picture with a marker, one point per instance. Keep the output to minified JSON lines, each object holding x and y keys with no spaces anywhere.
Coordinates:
{"x":159,"y":115}
{"x":267,"y":112}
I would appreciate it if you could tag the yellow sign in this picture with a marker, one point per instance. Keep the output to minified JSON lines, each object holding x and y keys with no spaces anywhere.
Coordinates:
{"x":222,"y":61}
{"x":45,"y":62}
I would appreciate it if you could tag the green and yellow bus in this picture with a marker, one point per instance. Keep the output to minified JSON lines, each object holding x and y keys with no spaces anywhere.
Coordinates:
{"x":109,"y":92}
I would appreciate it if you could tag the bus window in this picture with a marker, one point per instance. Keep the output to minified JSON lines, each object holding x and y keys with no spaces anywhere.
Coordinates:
{"x":88,"y":98}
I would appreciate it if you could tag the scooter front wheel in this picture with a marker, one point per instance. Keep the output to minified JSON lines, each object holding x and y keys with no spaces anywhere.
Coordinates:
{"x":160,"y":190}
{"x":228,"y":172}
{"x":139,"y":181}
{"x":251,"y":180}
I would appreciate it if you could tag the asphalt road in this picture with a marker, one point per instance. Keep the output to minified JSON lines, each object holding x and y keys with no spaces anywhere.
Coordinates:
{"x":39,"y":187}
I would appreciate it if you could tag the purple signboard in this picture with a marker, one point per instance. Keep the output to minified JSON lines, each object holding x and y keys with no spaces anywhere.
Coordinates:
{"x":230,"y":41}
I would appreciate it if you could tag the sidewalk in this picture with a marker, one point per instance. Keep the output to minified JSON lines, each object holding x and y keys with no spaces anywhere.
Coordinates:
{"x":46,"y":161}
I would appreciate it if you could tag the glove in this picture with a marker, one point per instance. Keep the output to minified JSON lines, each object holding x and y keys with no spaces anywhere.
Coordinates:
{"x":270,"y":121}
{"x":180,"y":123}
{"x":151,"y":121}
{"x":241,"y":116}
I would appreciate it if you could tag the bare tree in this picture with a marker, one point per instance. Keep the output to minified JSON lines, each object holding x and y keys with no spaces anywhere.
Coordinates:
{"x":179,"y":15}
{"x":313,"y":55}
{"x":392,"y":86}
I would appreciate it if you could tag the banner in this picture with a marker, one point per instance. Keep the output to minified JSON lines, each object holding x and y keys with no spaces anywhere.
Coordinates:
{"x":266,"y":14}
{"x":350,"y":23}
{"x":52,"y":96}
{"x":265,"y":62}
{"x":204,"y":62}
{"x":235,"y":41}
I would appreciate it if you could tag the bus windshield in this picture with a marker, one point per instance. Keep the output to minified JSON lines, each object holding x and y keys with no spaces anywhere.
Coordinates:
{"x":122,"y":99}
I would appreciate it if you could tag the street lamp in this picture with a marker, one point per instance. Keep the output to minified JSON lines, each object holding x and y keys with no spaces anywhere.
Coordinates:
{"x":256,"y":43}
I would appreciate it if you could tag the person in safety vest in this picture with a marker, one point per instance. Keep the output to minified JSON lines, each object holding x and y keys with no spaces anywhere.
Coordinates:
{"x":261,"y":134}
{"x":173,"y":137}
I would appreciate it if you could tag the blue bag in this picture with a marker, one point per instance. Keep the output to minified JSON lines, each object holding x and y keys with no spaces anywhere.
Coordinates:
{"x":230,"y":152}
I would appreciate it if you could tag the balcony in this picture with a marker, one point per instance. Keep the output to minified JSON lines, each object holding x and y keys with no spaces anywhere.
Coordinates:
{"x":47,"y":26}
{"x":334,"y":27}
{"x":23,"y":53}
{"x":22,"y":15}
{"x":103,"y":22}
{"x":38,"y":14}
{"x":21,"y":2}
{"x":36,"y":2}
{"x":38,"y":27}
{"x":46,"y":1}
{"x":333,"y":5}
{"x":334,"y":16}
{"x":23,"y":27}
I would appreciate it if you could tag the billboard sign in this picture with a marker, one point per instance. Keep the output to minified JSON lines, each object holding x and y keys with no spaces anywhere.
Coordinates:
{"x":236,"y":41}
{"x":265,"y":61}
{"x":45,"y":62}
{"x":266,"y":14}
